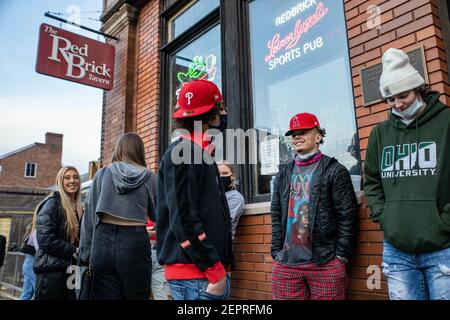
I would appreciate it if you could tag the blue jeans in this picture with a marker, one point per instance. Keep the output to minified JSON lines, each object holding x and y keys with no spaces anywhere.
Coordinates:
{"x":29,"y":278}
{"x":424,"y":276}
{"x":160,"y":287}
{"x":195,"y":289}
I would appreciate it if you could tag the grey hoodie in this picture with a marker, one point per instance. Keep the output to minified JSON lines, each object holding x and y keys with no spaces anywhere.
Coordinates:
{"x":123,"y":190}
{"x":128,"y":192}
{"x":127,"y":176}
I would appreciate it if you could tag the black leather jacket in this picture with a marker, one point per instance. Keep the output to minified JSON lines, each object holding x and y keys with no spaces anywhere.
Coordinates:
{"x":55,"y":251}
{"x":334,"y":213}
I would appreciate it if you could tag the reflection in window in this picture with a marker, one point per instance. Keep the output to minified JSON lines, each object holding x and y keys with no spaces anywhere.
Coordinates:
{"x":200,"y":59}
{"x":300,"y":63}
{"x":191,"y":14}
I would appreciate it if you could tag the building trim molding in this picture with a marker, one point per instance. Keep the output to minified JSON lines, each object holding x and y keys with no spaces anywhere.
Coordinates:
{"x":127,"y":14}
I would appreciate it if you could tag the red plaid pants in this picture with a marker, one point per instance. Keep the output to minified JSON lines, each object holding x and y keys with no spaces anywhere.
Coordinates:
{"x":310,"y":281}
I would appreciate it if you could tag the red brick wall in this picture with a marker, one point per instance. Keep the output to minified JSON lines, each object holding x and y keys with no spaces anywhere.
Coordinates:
{"x":133,"y":104}
{"x":147,"y":84}
{"x":253,"y":275}
{"x":46,"y":156}
{"x":118,"y":110}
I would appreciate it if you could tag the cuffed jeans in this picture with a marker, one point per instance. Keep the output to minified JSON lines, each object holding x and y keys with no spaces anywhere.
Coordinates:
{"x":424,"y":276}
{"x":195,"y":289}
{"x":122,"y":263}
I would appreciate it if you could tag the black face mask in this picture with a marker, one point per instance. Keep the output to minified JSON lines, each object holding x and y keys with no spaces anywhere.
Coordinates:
{"x":226,"y":182}
{"x":222,"y":126}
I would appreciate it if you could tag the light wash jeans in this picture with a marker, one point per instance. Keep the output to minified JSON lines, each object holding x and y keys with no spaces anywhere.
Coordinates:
{"x":195,"y":289}
{"x":424,"y":276}
{"x":29,"y":278}
{"x":159,"y":285}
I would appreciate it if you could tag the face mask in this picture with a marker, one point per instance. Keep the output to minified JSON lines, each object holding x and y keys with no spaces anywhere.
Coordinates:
{"x":222,"y":126}
{"x":306,"y":157}
{"x":411,"y":111}
{"x":226,"y":182}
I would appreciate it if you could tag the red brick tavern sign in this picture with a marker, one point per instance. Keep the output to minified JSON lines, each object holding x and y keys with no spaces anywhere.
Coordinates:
{"x":69,"y":56}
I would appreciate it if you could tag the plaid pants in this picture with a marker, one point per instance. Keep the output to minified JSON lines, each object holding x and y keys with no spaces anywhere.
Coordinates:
{"x":310,"y":281}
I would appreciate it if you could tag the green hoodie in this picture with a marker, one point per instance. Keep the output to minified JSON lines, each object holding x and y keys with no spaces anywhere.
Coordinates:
{"x":411,"y":199}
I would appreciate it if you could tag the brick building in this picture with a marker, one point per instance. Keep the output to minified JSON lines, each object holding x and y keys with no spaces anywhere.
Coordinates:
{"x":33,"y":166}
{"x":271,"y":59}
{"x":26,"y":176}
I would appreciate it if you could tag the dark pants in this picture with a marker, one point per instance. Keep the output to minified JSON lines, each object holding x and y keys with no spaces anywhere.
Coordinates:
{"x":122,"y":263}
{"x":52,"y":285}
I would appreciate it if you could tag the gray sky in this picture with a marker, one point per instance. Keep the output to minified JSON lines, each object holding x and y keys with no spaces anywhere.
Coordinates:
{"x":32,"y":104}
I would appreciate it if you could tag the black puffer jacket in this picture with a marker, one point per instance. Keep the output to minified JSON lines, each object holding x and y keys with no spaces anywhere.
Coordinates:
{"x":55,"y":251}
{"x":334,"y":214}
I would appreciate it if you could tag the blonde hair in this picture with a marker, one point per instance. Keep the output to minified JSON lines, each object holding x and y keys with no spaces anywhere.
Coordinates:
{"x":67,"y":204}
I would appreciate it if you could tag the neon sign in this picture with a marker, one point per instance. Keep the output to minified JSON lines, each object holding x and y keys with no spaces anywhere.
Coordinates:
{"x":199,"y":68}
{"x":292,"y":39}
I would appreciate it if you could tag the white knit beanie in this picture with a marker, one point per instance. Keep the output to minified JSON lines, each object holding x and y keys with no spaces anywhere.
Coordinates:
{"x":398,"y":74}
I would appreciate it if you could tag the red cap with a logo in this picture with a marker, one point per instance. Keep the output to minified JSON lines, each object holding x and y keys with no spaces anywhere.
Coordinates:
{"x":197,"y":97}
{"x":302,"y":121}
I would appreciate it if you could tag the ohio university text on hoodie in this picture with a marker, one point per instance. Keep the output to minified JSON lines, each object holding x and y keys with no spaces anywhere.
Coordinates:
{"x":123,"y":190}
{"x":407,"y":179}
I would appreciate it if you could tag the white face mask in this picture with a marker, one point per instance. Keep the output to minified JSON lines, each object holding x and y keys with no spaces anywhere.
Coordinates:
{"x":412,"y":110}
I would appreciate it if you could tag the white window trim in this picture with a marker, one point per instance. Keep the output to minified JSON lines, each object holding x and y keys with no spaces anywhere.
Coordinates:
{"x":35,"y":170}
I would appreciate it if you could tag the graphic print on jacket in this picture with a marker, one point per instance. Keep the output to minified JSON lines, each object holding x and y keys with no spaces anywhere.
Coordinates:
{"x":297,"y":247}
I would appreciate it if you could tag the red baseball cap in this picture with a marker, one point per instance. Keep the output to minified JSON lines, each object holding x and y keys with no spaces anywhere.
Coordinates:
{"x":197,"y":97}
{"x":302,"y":121}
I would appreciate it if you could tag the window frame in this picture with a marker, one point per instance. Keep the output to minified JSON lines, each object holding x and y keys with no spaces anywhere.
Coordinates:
{"x":26,"y":169}
{"x":233,"y":17}
{"x":167,"y":49}
{"x":252,"y":173}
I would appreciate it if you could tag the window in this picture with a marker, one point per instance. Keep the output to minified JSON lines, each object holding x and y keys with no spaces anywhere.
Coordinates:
{"x":300,"y":63}
{"x":200,"y":59}
{"x":273,"y":59}
{"x":189,"y":15}
{"x":30,"y":170}
{"x":195,"y":55}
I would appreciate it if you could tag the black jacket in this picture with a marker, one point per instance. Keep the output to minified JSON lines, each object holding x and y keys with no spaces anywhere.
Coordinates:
{"x":55,"y":250}
{"x":2,"y":249}
{"x":334,"y":212}
{"x":192,"y":201}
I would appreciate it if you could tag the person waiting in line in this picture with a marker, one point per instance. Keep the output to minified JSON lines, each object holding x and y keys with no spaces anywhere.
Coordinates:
{"x":57,"y":232}
{"x":314,"y":219}
{"x":159,"y":286}
{"x":2,"y":249}
{"x":235,"y":199}
{"x":29,"y":250}
{"x":117,"y":209}
{"x":193,"y":223}
{"x":407,"y":180}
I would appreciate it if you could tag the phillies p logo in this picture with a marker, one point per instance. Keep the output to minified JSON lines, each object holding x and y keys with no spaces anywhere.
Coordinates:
{"x":189,"y":96}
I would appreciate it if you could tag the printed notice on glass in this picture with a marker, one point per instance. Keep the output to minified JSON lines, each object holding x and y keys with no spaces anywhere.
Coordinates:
{"x":269,"y":155}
